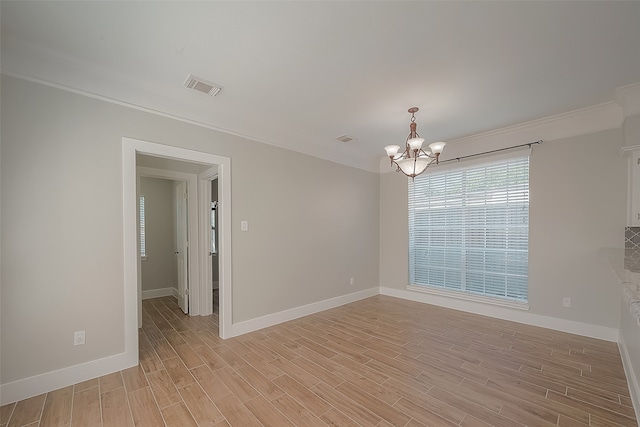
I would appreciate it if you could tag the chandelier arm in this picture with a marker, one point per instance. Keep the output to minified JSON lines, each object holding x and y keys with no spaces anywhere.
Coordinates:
{"x":406,"y":154}
{"x":427,"y":155}
{"x":412,"y":134}
{"x":399,"y":156}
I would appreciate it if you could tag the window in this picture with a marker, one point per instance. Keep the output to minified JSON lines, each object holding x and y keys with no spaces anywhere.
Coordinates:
{"x":214,"y":207}
{"x":143,"y":249}
{"x":469,"y":229}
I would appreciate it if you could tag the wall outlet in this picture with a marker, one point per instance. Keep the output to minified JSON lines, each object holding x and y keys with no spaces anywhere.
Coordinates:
{"x":566,"y":302}
{"x":78,"y":338}
{"x":352,"y":281}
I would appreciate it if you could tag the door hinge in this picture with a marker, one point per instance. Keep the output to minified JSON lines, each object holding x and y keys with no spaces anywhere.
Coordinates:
{"x":186,"y":292}
{"x":185,"y":196}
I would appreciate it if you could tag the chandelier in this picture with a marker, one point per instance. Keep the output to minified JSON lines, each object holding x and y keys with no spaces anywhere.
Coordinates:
{"x":414,"y":160}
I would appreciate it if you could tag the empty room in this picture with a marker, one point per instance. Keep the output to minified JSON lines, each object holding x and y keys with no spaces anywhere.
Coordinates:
{"x":320,"y":213}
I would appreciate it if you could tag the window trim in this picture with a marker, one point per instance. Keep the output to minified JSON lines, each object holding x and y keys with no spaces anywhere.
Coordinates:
{"x":520,"y":305}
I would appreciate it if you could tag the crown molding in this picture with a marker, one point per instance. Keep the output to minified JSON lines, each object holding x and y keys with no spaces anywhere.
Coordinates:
{"x":626,"y":151}
{"x":573,"y":123}
{"x":565,"y":125}
{"x":628,"y":97}
{"x":23,"y":60}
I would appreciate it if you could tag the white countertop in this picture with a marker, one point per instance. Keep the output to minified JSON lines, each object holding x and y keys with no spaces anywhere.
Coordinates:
{"x":625,"y":264}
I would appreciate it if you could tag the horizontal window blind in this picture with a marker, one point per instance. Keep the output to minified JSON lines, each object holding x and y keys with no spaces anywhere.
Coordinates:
{"x":143,"y":249}
{"x":469,"y":229}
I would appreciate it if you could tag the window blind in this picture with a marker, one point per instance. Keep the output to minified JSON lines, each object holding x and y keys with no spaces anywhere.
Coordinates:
{"x":469,"y":229}
{"x":143,"y":250}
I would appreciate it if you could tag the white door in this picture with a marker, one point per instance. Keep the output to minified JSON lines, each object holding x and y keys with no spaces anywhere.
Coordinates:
{"x":182,"y":250}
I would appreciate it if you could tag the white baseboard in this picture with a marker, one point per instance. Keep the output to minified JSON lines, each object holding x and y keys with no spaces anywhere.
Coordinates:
{"x":632,"y":379}
{"x":157,"y":293}
{"x":38,"y":384}
{"x":519,"y":316}
{"x":54,"y":380}
{"x":295,"y":313}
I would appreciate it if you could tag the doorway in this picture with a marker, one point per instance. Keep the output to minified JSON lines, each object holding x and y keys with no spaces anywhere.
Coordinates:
{"x":164,"y":235}
{"x":200,"y":288}
{"x":182,"y":203}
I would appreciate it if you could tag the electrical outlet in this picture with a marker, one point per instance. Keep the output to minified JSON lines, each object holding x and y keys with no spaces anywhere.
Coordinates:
{"x":78,"y":338}
{"x":352,"y":281}
{"x":566,"y":302}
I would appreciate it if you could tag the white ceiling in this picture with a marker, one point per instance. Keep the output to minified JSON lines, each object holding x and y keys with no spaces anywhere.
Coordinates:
{"x":300,"y":74}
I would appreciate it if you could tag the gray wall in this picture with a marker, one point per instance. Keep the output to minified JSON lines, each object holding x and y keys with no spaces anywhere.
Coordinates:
{"x":159,"y":270}
{"x":577,"y":205}
{"x":629,"y":331}
{"x":313,"y":224}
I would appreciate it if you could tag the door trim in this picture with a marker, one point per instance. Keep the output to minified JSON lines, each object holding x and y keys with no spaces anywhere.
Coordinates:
{"x":182,"y":251}
{"x":224,"y":246}
{"x":130,"y":147}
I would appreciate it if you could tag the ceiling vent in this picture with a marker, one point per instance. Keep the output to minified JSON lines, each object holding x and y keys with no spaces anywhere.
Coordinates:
{"x":345,"y":138}
{"x":202,"y":85}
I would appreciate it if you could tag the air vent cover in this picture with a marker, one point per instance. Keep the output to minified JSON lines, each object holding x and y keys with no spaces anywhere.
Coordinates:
{"x":345,"y":138}
{"x":202,"y":85}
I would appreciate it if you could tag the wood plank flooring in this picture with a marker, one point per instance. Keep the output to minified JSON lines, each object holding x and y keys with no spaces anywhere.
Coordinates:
{"x":379,"y":362}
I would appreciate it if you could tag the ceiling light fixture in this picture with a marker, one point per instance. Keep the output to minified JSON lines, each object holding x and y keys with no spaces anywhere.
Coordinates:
{"x":414,"y":160}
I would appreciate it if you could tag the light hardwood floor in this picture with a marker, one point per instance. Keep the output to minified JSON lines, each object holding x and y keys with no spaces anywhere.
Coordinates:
{"x":377,"y":362}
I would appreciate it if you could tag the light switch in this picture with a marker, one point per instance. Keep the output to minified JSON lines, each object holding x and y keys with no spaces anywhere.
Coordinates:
{"x":244,"y":225}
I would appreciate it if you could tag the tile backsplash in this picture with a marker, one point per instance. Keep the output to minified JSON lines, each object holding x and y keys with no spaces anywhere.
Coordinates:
{"x":632,"y":237}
